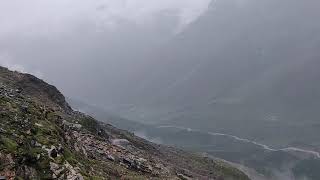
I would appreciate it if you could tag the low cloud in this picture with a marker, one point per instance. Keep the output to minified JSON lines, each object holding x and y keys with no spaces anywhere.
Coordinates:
{"x":143,"y":134}
{"x":7,"y":61}
{"x":43,"y":17}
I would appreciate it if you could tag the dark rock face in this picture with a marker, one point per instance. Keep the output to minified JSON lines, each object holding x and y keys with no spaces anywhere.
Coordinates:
{"x":54,"y":153}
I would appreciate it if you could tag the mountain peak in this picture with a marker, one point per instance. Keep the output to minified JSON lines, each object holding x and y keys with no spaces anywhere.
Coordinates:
{"x":32,"y":86}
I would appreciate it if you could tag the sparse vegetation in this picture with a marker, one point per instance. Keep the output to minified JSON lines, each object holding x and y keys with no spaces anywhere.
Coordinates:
{"x":43,"y":139}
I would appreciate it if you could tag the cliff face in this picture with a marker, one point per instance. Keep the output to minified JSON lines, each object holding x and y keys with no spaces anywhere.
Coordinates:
{"x":41,"y":137}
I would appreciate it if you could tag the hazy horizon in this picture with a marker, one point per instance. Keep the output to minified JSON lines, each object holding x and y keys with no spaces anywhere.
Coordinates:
{"x":233,"y":79}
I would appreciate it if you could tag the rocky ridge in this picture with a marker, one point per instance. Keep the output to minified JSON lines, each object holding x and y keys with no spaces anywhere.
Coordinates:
{"x":41,"y":137}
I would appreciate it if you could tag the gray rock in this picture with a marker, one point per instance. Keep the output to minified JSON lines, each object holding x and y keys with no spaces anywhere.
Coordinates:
{"x":111,"y":158}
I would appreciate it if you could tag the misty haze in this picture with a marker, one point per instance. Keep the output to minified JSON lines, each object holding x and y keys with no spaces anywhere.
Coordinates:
{"x":160,"y":89}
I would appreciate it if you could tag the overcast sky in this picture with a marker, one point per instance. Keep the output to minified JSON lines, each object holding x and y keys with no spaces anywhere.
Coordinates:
{"x":40,"y":17}
{"x":27,"y":21}
{"x":115,"y":52}
{"x":44,"y":37}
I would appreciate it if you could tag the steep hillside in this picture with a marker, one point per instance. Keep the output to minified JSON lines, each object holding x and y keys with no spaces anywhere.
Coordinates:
{"x":106,"y":117}
{"x":41,"y":137}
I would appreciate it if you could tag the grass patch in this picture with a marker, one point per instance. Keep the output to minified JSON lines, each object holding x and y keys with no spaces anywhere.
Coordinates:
{"x":9,"y":144}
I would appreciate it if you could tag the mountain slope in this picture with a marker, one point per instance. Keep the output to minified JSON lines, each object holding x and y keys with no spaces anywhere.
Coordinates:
{"x":231,"y":50}
{"x":106,"y":117}
{"x":41,"y":137}
{"x":245,"y":67}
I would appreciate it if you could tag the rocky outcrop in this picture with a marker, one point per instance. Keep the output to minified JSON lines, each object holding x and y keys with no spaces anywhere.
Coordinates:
{"x":33,"y":87}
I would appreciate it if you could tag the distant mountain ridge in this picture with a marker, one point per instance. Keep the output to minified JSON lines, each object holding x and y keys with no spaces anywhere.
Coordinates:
{"x":230,"y":48}
{"x":250,"y":64}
